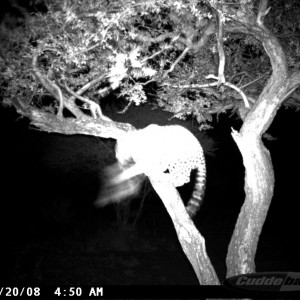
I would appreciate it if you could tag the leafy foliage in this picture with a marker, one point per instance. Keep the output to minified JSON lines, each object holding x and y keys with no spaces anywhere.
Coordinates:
{"x":134,"y":43}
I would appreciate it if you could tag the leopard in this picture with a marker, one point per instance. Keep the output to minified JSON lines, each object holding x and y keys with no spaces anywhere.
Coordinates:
{"x":152,"y":151}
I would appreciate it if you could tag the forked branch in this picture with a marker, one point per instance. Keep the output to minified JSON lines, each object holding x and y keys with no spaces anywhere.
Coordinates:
{"x":64,"y":102}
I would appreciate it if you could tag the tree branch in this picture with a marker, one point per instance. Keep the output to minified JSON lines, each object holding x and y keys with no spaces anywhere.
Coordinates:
{"x":220,"y":18}
{"x":192,"y":242}
{"x":88,"y":86}
{"x":259,"y":173}
{"x":179,"y":58}
{"x":95,"y":108}
{"x":69,"y":126}
{"x":262,"y":12}
{"x":196,"y":46}
{"x":52,"y":88}
{"x":197,"y":86}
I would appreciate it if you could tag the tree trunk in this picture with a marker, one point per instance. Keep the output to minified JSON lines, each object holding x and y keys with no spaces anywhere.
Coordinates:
{"x":259,"y":186}
{"x":259,"y":174}
{"x":192,"y":242}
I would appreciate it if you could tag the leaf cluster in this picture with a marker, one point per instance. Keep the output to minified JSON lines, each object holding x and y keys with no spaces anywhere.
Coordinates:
{"x":136,"y":43}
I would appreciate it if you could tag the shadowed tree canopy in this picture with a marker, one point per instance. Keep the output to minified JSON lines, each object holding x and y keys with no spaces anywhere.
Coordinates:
{"x":172,"y":52}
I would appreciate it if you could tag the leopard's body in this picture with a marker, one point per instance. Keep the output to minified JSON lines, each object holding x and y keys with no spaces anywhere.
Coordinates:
{"x":156,"y":149}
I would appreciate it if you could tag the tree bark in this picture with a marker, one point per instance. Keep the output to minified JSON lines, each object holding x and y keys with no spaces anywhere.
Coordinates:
{"x":259,"y":186}
{"x":85,"y":125}
{"x":259,"y":174}
{"x":192,"y":242}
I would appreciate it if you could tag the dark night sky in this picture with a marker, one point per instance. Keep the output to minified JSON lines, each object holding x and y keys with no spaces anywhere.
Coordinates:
{"x":32,"y":181}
